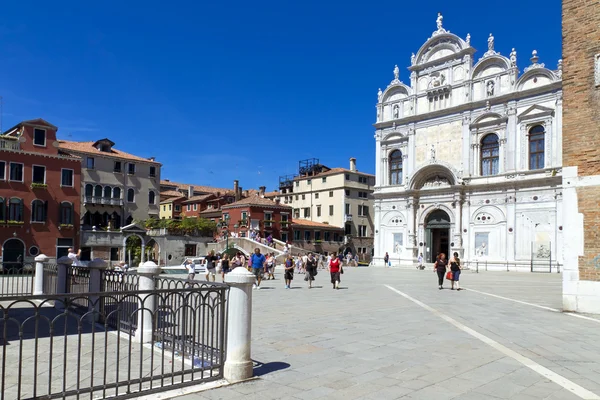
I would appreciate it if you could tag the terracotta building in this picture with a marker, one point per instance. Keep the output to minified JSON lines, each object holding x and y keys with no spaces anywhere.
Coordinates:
{"x":39,"y":194}
{"x":267,"y":217}
{"x":581,"y":155}
{"x":318,"y":237}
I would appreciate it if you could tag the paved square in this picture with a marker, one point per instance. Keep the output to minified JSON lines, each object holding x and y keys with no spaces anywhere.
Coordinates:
{"x":391,"y":334}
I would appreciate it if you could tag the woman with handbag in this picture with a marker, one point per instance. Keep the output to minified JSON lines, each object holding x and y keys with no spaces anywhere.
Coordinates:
{"x":455,"y":270}
{"x":335,"y":269}
{"x":440,"y":267}
{"x":311,"y":270}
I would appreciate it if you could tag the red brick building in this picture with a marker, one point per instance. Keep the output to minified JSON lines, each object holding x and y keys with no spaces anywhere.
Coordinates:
{"x":40,"y":192}
{"x":581,"y":155}
{"x":256,"y":213}
{"x":316,"y":236}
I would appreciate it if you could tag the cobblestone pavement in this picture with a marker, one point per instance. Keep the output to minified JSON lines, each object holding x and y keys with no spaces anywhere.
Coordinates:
{"x":391,"y":334}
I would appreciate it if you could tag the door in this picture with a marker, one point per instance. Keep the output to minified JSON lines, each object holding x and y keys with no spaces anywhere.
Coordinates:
{"x":437,"y":235}
{"x":13,"y":254}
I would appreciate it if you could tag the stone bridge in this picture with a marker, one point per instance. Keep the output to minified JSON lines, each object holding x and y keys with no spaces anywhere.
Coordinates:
{"x":247,"y":246}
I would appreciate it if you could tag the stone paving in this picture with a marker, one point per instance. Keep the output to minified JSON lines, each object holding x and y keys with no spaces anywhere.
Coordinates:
{"x":367,"y":341}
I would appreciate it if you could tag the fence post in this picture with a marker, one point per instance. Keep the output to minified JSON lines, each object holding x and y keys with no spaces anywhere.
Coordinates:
{"x":62,"y":279}
{"x":38,"y":283}
{"x":147,"y":307}
{"x":96,"y":267}
{"x":238,"y":364}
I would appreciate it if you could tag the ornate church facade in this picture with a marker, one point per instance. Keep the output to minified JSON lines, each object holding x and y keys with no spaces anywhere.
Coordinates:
{"x":468,"y":159}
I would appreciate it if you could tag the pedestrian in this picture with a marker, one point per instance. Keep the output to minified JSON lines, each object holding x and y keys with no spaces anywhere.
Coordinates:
{"x":304,"y":261}
{"x":311,"y":270}
{"x":298,"y":264}
{"x":75,"y":257}
{"x":271,"y":266}
{"x":249,"y":266}
{"x":288,"y":274}
{"x":258,"y":266}
{"x":211,"y":266}
{"x":237,"y":261}
{"x":224,"y":266}
{"x":386,"y":259}
{"x":191,"y":269}
{"x":335,"y":269}
{"x":356,"y":259}
{"x":455,"y":267}
{"x":420,"y":261}
{"x":440,"y":266}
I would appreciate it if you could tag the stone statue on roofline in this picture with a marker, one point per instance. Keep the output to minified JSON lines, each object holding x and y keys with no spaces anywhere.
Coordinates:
{"x":468,"y":39}
{"x":439,"y":21}
{"x":379,"y":95}
{"x":413,"y":59}
{"x":491,"y":43}
{"x":513,"y":58}
{"x":396,"y":73}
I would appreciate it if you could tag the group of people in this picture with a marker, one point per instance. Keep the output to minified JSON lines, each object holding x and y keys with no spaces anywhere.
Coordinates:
{"x":448,"y":269}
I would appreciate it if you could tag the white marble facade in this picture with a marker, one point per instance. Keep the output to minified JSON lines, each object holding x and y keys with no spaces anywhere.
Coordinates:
{"x":468,"y":159}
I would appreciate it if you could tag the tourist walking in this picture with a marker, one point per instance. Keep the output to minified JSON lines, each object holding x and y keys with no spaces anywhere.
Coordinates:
{"x":420,"y":261}
{"x":455,"y":268}
{"x":271,"y":266}
{"x":211,"y":266}
{"x":298,"y":264}
{"x":386,"y":259}
{"x":224,"y":266}
{"x":311,"y":270}
{"x":335,"y":270}
{"x":237,"y":261}
{"x":258,"y":266}
{"x":304,"y":261}
{"x":191,"y":269}
{"x":440,"y":266}
{"x":288,"y":274}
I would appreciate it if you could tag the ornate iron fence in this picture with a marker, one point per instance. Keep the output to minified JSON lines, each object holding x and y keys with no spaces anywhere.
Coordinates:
{"x":55,"y":347}
{"x":16,"y":279}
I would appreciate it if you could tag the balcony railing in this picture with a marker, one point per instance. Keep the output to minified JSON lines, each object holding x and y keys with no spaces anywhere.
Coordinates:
{"x":102,"y":200}
{"x":348,"y":218}
{"x":7,"y":144}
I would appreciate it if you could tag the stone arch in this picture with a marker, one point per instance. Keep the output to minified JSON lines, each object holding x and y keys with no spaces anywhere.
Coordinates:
{"x":434,"y":207}
{"x":391,"y":215}
{"x":494,"y":61}
{"x":430,"y":171}
{"x":437,"y":43}
{"x":533,"y":73}
{"x":12,"y":255}
{"x":397,"y":88}
{"x":495,"y":212}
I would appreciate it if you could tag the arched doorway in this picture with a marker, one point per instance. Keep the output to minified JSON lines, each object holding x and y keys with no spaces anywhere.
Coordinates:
{"x":13,"y":254}
{"x":437,"y":234}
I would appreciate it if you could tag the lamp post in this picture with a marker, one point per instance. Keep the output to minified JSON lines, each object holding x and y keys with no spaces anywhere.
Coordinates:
{"x":224,"y":224}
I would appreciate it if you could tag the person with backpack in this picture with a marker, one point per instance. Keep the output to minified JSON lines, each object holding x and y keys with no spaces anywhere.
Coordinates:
{"x":258,"y":262}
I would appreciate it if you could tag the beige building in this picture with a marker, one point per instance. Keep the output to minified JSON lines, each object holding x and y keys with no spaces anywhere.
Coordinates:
{"x":116,"y":187}
{"x":336,"y":196}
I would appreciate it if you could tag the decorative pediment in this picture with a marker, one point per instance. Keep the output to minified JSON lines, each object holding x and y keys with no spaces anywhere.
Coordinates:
{"x":535,"y":112}
{"x":40,"y":122}
{"x":393,"y":136}
{"x":487,"y":120}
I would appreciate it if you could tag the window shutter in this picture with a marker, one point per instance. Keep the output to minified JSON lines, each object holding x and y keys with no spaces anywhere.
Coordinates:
{"x":45,"y":211}
{"x":72,"y":212}
{"x":22,"y":207}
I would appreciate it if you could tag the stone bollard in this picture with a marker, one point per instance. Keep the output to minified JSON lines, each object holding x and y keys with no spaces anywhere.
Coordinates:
{"x":238,"y":364}
{"x":38,"y":283}
{"x":147,"y":306}
{"x":96,"y":267}
{"x":63,"y":265}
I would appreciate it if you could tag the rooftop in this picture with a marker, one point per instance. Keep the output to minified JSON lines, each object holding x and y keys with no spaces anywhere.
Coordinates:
{"x":197,"y":188}
{"x":200,"y":198}
{"x":88,"y":148}
{"x":313,"y":224}
{"x":332,"y":171}
{"x":256,"y":201}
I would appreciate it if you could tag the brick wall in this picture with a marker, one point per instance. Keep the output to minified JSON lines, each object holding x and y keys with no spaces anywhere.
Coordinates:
{"x":581,"y":118}
{"x":581,"y":99}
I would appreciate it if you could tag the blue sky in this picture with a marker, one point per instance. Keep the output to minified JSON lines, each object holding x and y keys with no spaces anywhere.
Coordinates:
{"x":235,"y":90}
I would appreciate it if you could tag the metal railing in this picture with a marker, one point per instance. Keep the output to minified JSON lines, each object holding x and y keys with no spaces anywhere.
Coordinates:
{"x":50,"y":278}
{"x":63,"y":345}
{"x":16,"y":279}
{"x":102,"y":200}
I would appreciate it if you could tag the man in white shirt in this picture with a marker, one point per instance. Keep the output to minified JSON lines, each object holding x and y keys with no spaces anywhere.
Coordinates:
{"x":75,"y":257}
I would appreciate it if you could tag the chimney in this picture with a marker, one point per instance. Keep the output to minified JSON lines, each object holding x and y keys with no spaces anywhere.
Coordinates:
{"x":151,"y":158}
{"x":167,"y":180}
{"x":277,"y":200}
{"x":353,"y":164}
{"x":240,"y":192}
{"x":245,"y":193}
{"x":190,"y":192}
{"x":261,"y":191}
{"x":236,"y":189}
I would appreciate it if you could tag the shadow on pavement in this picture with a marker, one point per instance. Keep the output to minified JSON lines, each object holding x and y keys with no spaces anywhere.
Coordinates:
{"x":261,"y":369}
